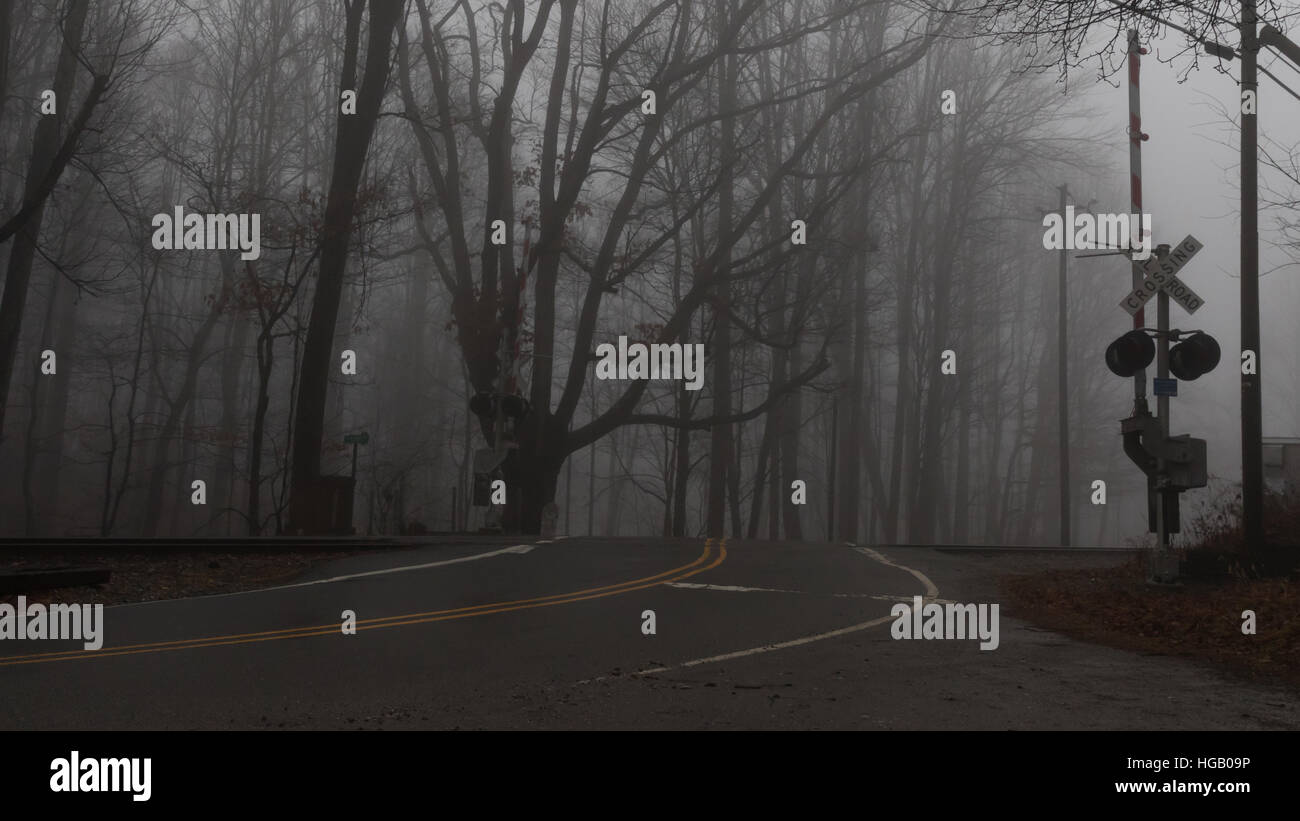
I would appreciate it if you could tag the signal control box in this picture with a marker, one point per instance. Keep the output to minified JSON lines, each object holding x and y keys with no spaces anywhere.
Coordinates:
{"x":1191,"y":471}
{"x":1184,"y":455}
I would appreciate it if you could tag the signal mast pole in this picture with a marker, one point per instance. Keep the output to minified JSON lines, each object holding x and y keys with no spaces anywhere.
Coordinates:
{"x":1163,"y":566}
{"x":1166,"y":565}
{"x":1135,"y":138}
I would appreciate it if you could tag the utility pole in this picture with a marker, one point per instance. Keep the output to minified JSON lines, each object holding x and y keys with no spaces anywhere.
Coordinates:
{"x":1063,"y":419}
{"x":1252,"y":424}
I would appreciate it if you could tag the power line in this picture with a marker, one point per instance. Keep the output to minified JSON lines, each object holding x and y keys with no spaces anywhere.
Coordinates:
{"x":1285,"y":87}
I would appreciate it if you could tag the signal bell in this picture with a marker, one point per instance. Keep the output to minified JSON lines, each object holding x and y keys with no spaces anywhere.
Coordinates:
{"x":1194,"y":356}
{"x":1130,"y":353}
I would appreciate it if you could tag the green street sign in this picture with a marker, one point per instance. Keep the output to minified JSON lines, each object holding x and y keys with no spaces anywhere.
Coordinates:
{"x":356,"y":438}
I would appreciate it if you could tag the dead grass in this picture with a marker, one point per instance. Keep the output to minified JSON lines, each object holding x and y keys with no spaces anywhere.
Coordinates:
{"x":1199,"y":620}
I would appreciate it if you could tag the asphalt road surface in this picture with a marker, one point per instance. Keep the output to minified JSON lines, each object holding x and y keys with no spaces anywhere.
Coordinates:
{"x":549,"y":634}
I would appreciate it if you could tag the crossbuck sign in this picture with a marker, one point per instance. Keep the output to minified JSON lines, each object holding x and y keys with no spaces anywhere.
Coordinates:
{"x":1159,"y":274}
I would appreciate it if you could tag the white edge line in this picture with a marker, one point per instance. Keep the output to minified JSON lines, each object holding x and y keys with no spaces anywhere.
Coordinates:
{"x":931,"y":592}
{"x":516,"y":549}
{"x":768,"y":648}
{"x":727,"y":588}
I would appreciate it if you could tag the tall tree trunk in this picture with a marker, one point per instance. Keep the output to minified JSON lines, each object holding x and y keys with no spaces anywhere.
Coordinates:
{"x":736,"y":449}
{"x":50,"y":399}
{"x":44,"y":161}
{"x":928,"y":511}
{"x":720,"y":436}
{"x":760,"y":479}
{"x":1031,"y":518}
{"x":774,"y":487}
{"x":52,"y":432}
{"x":225,"y":470}
{"x":778,"y":416}
{"x":352,"y":143}
{"x":961,"y":494}
{"x":850,"y":495}
{"x":33,"y":442}
{"x":682,"y":480}
{"x":903,"y":337}
{"x":265,"y":361}
{"x":614,"y":483}
{"x":113,"y":499}
{"x":995,"y":502}
{"x":6,"y":27}
{"x":791,"y":420}
{"x":178,"y":411}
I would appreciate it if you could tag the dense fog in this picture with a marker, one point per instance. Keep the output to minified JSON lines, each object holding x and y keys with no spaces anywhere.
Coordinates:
{"x":237,"y":234}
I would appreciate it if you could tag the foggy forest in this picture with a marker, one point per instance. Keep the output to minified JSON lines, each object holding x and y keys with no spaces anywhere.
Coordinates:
{"x":467,"y":199}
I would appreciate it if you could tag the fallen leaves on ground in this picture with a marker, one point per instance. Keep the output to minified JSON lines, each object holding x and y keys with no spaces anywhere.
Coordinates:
{"x":1115,"y":606}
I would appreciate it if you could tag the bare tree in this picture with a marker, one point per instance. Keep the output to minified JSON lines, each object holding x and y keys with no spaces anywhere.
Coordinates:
{"x":351,"y":145}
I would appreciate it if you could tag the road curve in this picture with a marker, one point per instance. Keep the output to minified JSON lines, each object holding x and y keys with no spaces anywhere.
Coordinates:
{"x":549,"y":634}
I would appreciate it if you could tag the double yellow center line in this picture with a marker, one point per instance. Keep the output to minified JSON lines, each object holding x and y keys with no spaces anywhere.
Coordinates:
{"x":701,"y":564}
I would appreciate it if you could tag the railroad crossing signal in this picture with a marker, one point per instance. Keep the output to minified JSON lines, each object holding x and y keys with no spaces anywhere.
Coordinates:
{"x":1130,"y":353}
{"x":1172,"y":464}
{"x":1194,"y":357}
{"x":1190,"y":359}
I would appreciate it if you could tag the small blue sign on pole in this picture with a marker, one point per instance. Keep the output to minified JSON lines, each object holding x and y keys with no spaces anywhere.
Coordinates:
{"x":1165,"y":387}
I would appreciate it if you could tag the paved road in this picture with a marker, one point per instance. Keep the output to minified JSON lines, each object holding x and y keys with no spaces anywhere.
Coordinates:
{"x":549,"y":635}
